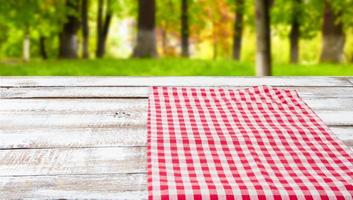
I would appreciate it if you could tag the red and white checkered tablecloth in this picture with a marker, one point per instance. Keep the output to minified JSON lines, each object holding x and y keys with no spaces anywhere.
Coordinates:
{"x":253,"y":143}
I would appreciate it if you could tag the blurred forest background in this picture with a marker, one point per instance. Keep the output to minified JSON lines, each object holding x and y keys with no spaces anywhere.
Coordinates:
{"x":176,"y":37}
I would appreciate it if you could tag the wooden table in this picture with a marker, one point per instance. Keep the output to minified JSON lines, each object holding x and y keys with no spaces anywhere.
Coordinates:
{"x":85,"y":137}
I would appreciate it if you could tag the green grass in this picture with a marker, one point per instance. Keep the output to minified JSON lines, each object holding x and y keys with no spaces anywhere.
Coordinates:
{"x":162,"y":67}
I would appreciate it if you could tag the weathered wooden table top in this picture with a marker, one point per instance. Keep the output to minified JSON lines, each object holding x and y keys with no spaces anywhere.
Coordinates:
{"x":85,"y":137}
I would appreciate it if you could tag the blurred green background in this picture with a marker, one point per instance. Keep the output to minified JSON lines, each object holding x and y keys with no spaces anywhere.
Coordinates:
{"x":172,"y":37}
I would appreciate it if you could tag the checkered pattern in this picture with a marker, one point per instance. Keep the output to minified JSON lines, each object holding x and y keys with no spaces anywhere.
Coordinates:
{"x":254,"y":143}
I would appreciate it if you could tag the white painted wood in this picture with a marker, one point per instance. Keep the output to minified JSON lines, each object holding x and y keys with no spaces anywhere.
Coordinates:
{"x":142,"y":92}
{"x":98,"y":137}
{"x":27,"y":162}
{"x":49,"y":137}
{"x":84,"y":141}
{"x":78,"y":106}
{"x":85,"y":106}
{"x":124,"y":119}
{"x":112,"y":186}
{"x":336,"y":117}
{"x":50,"y":123}
{"x":344,"y":134}
{"x":73,"y":92}
{"x":350,"y":79}
{"x":329,"y":103}
{"x":172,"y":81}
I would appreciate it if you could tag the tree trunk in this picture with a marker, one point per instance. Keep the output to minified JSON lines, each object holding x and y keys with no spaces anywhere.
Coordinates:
{"x":146,"y":36}
{"x":42,"y":49}
{"x":263,"y":37}
{"x":295,"y":32}
{"x":26,"y":45}
{"x":238,"y":29}
{"x":184,"y":29}
{"x":103,"y":25}
{"x":85,"y":28}
{"x":99,"y":48}
{"x":332,"y":35}
{"x":68,"y":37}
{"x":294,"y":41}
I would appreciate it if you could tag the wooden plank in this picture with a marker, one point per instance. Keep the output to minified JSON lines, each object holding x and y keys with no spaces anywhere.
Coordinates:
{"x":29,"y":162}
{"x":49,"y":123}
{"x":123,"y":119}
{"x":344,"y":134}
{"x":142,"y":92}
{"x":49,"y":137}
{"x":171,"y":81}
{"x":336,"y":118}
{"x":84,"y":106}
{"x":73,"y":120}
{"x":74,"y":92}
{"x":350,"y":79}
{"x":112,"y":186}
{"x":98,"y":137}
{"x":329,"y":103}
{"x":43,"y":123}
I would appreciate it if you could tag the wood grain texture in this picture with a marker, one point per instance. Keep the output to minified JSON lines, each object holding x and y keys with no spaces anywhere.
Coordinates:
{"x":350,"y":79}
{"x":49,"y":137}
{"x":79,"y":106}
{"x":85,"y":137}
{"x":99,"y":137}
{"x":142,"y":92}
{"x":50,"y":123}
{"x":171,"y":81}
{"x":112,"y":186}
{"x":29,"y":162}
{"x":85,"y":106}
{"x":121,"y":120}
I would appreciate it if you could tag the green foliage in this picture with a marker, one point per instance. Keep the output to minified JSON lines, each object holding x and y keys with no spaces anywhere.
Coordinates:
{"x":38,"y":17}
{"x":20,"y":13}
{"x":211,"y":26}
{"x":124,"y":8}
{"x":168,"y":11}
{"x":309,"y":14}
{"x":344,"y":9}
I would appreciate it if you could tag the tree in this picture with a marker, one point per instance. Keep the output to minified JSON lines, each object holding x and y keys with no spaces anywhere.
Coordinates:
{"x":85,"y":28}
{"x":26,"y":45}
{"x":263,"y":37}
{"x":295,"y":31}
{"x":184,"y":29}
{"x":68,"y":35}
{"x":238,"y":28}
{"x":301,"y":17}
{"x":216,"y":23}
{"x":42,"y":49}
{"x":23,"y":15}
{"x":332,"y":35}
{"x":146,"y":36}
{"x":51,"y":16}
{"x":103,"y":25}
